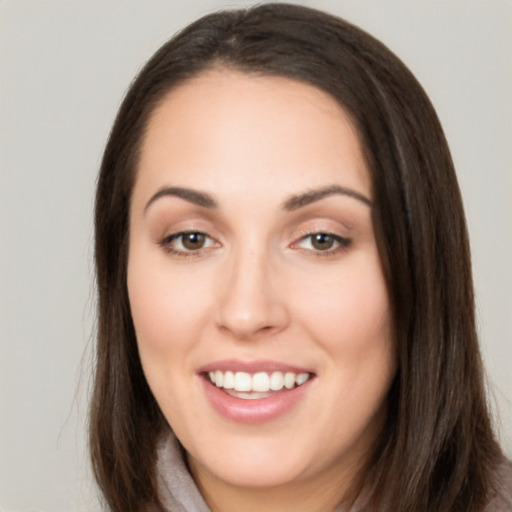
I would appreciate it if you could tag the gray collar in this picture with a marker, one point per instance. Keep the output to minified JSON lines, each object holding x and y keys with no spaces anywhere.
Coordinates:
{"x":177,"y":489}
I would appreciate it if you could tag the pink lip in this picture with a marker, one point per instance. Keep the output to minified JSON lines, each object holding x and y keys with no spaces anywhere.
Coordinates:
{"x":235,"y":365}
{"x":258,"y":410}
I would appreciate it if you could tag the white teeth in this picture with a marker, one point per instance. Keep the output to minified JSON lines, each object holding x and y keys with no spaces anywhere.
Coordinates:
{"x":260,"y":382}
{"x":301,"y":378}
{"x":242,"y":381}
{"x":289,"y":380}
{"x":229,"y":380}
{"x":276,"y":381}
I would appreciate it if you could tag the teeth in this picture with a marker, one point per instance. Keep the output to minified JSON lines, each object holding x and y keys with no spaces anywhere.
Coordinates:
{"x":276,"y":381}
{"x":242,"y":381}
{"x":301,"y":378}
{"x":229,"y":380}
{"x":289,"y":380}
{"x":260,"y":382}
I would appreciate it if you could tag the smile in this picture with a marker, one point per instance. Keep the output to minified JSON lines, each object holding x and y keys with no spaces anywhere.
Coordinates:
{"x":258,"y":385}
{"x":255,"y":392}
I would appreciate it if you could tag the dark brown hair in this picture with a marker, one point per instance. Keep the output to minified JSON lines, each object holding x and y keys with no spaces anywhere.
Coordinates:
{"x":437,"y":450}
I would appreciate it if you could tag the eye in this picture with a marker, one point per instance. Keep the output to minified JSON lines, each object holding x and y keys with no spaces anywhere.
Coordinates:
{"x":187,"y":242}
{"x":192,"y":241}
{"x":323,"y":242}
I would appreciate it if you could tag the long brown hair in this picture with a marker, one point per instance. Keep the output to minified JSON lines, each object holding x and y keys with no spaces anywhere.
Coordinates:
{"x":437,"y":450}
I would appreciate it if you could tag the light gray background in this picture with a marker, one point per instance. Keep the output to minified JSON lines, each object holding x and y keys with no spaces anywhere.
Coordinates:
{"x":64,"y":67}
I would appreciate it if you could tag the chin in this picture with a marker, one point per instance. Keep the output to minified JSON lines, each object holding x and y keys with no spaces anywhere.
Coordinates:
{"x":265,"y":462}
{"x":265,"y":472}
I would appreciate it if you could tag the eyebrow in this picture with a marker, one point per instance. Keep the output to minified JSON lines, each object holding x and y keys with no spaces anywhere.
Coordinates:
{"x":192,"y":196}
{"x":292,"y":203}
{"x":298,"y":201}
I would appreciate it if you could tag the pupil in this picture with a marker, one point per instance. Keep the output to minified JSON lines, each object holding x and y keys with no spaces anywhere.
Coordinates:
{"x":193,"y":240}
{"x":322,"y":241}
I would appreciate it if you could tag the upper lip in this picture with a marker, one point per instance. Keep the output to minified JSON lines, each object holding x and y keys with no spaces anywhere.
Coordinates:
{"x":235,"y":365}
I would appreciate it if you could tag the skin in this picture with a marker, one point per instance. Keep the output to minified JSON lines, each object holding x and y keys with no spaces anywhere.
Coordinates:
{"x":258,"y":288}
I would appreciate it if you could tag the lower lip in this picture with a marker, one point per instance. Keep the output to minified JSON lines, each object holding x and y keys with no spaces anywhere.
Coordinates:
{"x":254,"y":411}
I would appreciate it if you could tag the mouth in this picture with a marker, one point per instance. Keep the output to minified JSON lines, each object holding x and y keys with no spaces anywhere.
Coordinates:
{"x":255,"y":392}
{"x":258,"y":385}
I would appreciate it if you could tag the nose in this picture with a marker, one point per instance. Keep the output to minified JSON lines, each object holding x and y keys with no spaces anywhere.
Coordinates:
{"x":251,"y":302}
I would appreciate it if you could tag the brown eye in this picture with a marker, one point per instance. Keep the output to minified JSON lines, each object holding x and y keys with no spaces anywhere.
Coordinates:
{"x":322,"y":241}
{"x":328,"y":243}
{"x":193,"y":241}
{"x":187,"y":243}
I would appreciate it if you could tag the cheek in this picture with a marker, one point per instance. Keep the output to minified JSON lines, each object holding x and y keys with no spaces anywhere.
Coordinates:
{"x":167,"y":314}
{"x":349,"y":309}
{"x":349,"y":318}
{"x":166,"y":308}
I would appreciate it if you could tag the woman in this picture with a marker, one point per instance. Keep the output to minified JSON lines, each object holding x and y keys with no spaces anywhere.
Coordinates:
{"x":285,"y":300}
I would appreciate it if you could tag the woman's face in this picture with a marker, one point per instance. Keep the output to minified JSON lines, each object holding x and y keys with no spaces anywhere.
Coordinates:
{"x":259,"y":303}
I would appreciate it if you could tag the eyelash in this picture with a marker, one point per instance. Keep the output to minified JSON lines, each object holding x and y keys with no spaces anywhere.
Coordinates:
{"x":341,"y":244}
{"x":167,"y":242}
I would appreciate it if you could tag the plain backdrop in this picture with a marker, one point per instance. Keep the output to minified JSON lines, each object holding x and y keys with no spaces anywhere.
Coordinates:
{"x":64,"y":66}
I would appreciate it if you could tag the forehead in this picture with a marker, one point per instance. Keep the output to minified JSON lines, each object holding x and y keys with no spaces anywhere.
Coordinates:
{"x":228,"y":125}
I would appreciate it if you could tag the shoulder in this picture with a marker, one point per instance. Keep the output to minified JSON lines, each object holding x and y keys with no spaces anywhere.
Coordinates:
{"x":502,"y":501}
